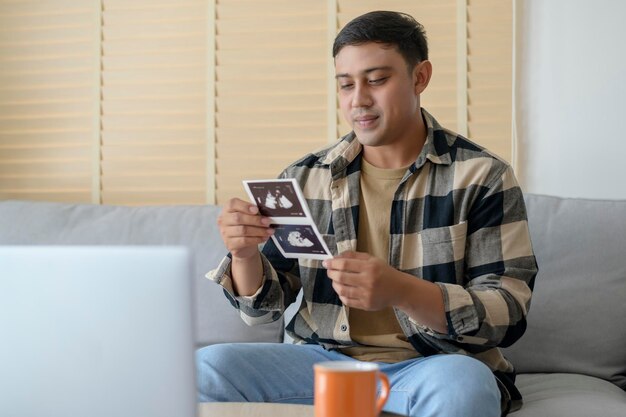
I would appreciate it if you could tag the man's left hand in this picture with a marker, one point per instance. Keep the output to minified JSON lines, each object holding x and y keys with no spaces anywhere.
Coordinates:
{"x":363,"y":281}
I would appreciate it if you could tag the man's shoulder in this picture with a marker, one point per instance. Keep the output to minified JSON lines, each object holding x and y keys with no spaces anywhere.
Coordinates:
{"x":463,"y":149}
{"x":474,"y":163}
{"x":456,"y":148}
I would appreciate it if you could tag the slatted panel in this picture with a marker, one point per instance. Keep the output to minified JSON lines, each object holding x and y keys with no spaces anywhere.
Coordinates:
{"x":489,"y":74}
{"x":271,"y":83}
{"x":270,"y":88}
{"x":154,"y":115}
{"x":48,"y":99}
{"x":439,"y":20}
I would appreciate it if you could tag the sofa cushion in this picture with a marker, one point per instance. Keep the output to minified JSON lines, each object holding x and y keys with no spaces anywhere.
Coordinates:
{"x":576,"y":319}
{"x":35,"y":223}
{"x":569,"y":395}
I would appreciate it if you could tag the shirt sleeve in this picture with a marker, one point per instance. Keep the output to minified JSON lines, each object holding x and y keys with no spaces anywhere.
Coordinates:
{"x":279,"y":287}
{"x":490,"y":308}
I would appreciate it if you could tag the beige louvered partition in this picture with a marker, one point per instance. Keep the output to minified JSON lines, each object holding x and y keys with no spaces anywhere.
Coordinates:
{"x":49,"y":102}
{"x":175,"y":102}
{"x":270,"y":88}
{"x":489,"y":45}
{"x":154,"y":102}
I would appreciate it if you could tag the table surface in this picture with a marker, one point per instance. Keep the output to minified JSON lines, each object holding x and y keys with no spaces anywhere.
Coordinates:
{"x":260,"y":410}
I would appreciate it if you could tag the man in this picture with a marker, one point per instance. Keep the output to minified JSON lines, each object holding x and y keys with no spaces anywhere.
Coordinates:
{"x":433,"y":265}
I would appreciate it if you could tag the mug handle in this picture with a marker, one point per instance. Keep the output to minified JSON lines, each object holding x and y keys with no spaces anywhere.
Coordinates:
{"x":384,"y":394}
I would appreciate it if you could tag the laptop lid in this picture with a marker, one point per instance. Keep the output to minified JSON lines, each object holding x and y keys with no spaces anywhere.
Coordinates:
{"x":96,"y":331}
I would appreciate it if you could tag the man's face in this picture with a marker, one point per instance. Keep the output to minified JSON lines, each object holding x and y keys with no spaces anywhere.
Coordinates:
{"x":378,"y":96}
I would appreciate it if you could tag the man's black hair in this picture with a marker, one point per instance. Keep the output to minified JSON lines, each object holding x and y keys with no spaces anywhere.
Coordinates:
{"x":397,"y":29}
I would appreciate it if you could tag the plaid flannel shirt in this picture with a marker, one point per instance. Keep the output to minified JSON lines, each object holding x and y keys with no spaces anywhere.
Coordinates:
{"x":458,"y":219}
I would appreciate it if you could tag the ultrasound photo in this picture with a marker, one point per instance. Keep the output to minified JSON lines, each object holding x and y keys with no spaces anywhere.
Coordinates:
{"x":295,"y":232}
{"x":276,"y":198}
{"x":295,"y":240}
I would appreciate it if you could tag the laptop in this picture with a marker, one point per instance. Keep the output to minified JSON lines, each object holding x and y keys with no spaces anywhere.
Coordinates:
{"x":96,"y":332}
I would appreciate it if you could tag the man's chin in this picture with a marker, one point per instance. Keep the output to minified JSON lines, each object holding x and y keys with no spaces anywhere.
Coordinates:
{"x":368,"y":139}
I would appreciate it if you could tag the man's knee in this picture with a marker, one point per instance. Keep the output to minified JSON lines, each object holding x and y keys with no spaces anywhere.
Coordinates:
{"x":461,"y":371}
{"x":247,"y":371}
{"x":217,"y":355}
{"x":461,"y":386}
{"x":214,"y":366}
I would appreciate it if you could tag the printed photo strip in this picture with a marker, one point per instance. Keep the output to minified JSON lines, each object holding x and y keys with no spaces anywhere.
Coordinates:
{"x":295,"y":233}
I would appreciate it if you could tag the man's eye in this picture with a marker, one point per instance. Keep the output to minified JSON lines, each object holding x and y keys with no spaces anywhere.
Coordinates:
{"x":378,"y":80}
{"x":346,"y":86}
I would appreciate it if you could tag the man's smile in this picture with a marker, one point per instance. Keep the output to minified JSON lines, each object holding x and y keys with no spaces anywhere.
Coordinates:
{"x":365,"y":121}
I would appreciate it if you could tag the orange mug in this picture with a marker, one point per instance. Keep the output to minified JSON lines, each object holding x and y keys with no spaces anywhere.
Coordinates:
{"x":348,"y":389}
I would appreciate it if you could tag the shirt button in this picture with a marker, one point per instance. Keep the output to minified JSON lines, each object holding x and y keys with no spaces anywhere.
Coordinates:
{"x":344,"y":327}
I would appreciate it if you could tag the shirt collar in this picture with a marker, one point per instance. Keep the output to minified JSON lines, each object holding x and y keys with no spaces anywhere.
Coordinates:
{"x":436,"y":148}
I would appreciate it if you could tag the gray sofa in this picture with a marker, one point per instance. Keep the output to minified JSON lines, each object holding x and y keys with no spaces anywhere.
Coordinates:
{"x":571,"y":361}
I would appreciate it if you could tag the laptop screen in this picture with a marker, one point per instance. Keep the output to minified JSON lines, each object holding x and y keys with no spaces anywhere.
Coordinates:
{"x":96,"y":331}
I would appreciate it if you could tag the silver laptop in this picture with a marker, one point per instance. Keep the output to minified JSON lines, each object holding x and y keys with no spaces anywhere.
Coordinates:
{"x":96,"y":332}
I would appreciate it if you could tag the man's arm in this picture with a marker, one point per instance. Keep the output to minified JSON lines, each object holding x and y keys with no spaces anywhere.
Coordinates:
{"x":368,"y":283}
{"x":243,"y":229}
{"x":247,"y":275}
{"x":259,"y":285}
{"x":241,"y":273}
{"x":489,"y":308}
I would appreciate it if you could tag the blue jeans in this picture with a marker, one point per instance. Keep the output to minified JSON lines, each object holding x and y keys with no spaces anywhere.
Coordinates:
{"x":439,"y":385}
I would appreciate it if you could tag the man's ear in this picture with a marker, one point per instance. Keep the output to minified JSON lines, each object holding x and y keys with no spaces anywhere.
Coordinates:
{"x":421,"y":76}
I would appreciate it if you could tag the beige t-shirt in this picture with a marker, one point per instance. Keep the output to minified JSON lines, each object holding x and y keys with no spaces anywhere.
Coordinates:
{"x":378,"y":331}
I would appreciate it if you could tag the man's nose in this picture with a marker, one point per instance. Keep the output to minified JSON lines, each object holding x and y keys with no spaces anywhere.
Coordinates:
{"x":361,"y":96}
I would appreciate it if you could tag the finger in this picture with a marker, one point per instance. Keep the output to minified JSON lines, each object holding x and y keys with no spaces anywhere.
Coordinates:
{"x":239,"y":205}
{"x":354,"y":297}
{"x":247,"y":231}
{"x":244,"y":242}
{"x":343,"y":264}
{"x":345,"y":278}
{"x":348,"y":295}
{"x":239,"y":219}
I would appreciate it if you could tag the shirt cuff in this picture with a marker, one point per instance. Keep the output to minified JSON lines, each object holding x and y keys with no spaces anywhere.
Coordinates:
{"x":461,"y":314}
{"x":222,"y":275}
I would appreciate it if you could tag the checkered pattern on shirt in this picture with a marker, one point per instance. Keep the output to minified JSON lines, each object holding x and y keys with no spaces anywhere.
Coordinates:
{"x":458,"y":219}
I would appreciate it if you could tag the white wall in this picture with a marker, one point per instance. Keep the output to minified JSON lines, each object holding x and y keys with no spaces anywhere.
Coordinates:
{"x":571,"y":97}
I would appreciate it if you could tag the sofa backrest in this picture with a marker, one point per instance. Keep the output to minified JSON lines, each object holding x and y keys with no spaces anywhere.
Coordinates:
{"x":576,"y":319}
{"x":575,"y":322}
{"x":35,"y":223}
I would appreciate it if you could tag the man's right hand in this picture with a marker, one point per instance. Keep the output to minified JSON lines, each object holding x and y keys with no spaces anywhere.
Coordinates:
{"x":243,"y":228}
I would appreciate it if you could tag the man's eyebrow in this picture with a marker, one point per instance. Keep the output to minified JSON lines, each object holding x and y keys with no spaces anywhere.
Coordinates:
{"x":366,"y":71}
